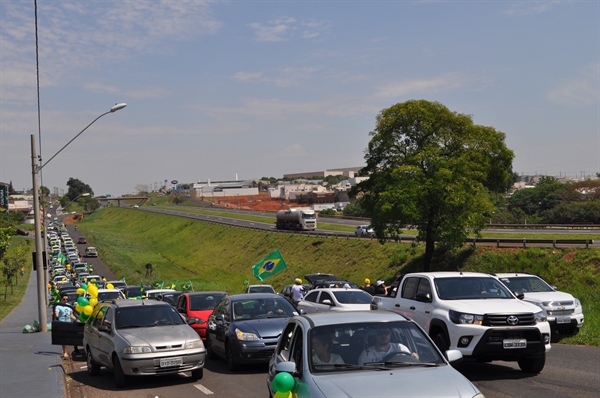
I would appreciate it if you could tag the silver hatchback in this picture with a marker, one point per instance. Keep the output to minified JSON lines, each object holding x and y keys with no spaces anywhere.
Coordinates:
{"x":141,"y":337}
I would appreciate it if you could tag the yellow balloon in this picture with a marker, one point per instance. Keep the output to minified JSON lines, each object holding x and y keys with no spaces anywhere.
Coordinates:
{"x":279,"y":394}
{"x":93,"y":301}
{"x":88,"y":309}
{"x":80,"y":290}
{"x":110,"y":286}
{"x":78,"y":308}
{"x":93,"y":291}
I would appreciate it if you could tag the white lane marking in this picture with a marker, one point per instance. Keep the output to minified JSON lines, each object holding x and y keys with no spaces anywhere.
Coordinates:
{"x":203,"y":389}
{"x":83,"y":367}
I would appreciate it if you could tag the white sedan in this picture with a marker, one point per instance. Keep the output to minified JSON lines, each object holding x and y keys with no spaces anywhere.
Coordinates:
{"x":336,"y":299}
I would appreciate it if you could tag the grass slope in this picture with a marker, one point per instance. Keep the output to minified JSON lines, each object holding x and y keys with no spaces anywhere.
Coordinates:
{"x":220,"y":258}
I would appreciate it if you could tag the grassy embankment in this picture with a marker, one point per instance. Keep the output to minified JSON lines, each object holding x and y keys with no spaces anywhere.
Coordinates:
{"x":220,"y":258}
{"x":8,"y":303}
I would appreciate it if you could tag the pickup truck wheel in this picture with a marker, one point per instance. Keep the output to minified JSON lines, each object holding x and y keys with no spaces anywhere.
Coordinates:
{"x":440,"y":341}
{"x":532,"y":365}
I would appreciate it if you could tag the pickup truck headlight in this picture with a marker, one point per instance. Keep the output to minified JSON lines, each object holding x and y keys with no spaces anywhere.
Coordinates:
{"x":243,"y":336}
{"x":142,"y":349}
{"x":194,"y":344}
{"x":468,"y":319}
{"x":540,"y":317}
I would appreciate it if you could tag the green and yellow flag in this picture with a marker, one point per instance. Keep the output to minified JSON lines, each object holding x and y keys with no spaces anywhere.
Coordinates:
{"x":269,"y":266}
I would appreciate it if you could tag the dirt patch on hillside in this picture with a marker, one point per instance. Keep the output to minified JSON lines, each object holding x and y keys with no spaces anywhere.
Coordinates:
{"x":255,"y":203}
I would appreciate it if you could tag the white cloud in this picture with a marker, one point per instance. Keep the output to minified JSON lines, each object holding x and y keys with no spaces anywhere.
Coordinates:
{"x":443,"y":82}
{"x":281,"y":29}
{"x":581,"y":90}
{"x":281,"y":77}
{"x":531,"y":7}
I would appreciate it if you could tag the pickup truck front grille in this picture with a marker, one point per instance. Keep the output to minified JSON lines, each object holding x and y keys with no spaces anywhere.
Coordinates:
{"x":503,"y":320}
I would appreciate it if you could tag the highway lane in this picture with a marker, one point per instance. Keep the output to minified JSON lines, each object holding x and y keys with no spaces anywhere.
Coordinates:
{"x":571,"y":371}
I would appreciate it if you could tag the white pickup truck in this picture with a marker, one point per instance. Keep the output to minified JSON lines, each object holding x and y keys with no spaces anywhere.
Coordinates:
{"x":475,"y":314}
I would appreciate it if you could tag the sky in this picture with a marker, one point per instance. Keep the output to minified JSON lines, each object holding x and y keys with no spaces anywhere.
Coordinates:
{"x":249,"y":89}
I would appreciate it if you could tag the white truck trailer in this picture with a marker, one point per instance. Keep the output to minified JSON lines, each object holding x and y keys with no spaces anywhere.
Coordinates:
{"x":297,"y":219}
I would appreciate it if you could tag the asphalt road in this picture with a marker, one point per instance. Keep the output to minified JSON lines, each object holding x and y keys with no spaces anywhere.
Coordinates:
{"x":571,"y":371}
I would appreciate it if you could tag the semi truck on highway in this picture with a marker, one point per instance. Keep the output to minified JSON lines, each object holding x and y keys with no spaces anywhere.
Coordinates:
{"x":303,"y":219}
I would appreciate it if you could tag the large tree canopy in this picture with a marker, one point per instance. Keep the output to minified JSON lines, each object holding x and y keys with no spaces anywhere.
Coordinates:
{"x":432,"y":169}
{"x":77,"y":187}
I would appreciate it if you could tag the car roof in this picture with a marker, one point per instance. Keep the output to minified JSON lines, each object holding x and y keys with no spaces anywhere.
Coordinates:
{"x":451,"y":274}
{"x":255,"y":296}
{"x":338,"y":289}
{"x":208,"y":293}
{"x":341,"y":317}
{"x":160,"y":290}
{"x":509,"y":274}
{"x":312,"y":278}
{"x":135,"y":303}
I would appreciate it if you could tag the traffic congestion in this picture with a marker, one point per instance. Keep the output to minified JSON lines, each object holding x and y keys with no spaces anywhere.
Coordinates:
{"x":312,"y":336}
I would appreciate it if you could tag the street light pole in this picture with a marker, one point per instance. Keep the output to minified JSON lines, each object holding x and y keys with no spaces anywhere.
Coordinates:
{"x":39,"y":257}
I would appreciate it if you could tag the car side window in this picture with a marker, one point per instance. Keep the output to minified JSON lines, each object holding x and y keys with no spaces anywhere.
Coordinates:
{"x":312,"y":297}
{"x":409,"y":288}
{"x":99,"y":316}
{"x":297,"y":351}
{"x":424,"y":286}
{"x":325,"y":296}
{"x":285,"y":342}
{"x":181,"y":303}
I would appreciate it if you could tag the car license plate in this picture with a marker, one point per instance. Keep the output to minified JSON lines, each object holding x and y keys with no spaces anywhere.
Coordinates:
{"x":514,"y":343}
{"x":563,"y":319}
{"x":170,"y":362}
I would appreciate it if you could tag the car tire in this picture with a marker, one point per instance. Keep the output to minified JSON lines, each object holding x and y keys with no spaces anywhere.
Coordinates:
{"x":120,"y":378}
{"x":440,"y":341}
{"x":231,"y":364}
{"x":210,"y":353}
{"x":93,"y":367}
{"x":197,"y":374}
{"x":532,"y":365}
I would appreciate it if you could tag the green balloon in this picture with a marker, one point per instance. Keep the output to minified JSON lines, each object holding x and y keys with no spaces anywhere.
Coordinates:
{"x":84,"y":286}
{"x":82,"y":301}
{"x":283,"y":382}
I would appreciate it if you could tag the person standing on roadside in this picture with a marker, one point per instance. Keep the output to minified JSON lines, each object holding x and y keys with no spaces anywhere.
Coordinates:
{"x":393,"y":289}
{"x":297,"y":291}
{"x":64,"y":313}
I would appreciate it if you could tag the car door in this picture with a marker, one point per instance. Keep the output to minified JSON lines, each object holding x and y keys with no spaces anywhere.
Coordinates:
{"x":283,"y":350}
{"x":219,"y":325}
{"x":422,"y":310}
{"x":309,"y":304}
{"x":96,"y":340}
{"x":325,"y":303}
{"x":182,"y":307}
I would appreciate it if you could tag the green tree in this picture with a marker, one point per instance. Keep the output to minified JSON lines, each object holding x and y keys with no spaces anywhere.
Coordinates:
{"x":76,"y":188}
{"x":90,"y":204}
{"x":178,"y":199}
{"x":12,"y":263}
{"x":433,"y":169}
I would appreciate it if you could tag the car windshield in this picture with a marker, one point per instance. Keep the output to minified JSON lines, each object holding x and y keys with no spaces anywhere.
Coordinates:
{"x":352,"y":297}
{"x":261,"y":289}
{"x":470,"y":288}
{"x":526,"y":284}
{"x":262,"y":308}
{"x":147,"y":316}
{"x":356,"y":346}
{"x":110,"y":295}
{"x":205,"y":302}
{"x":134,"y":291}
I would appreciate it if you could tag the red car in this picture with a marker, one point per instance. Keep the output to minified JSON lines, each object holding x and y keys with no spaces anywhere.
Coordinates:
{"x":196,"y":307}
{"x":82,"y":239}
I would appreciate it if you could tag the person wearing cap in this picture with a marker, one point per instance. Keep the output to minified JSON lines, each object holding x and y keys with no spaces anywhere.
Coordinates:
{"x":368,"y":288}
{"x":380,"y":288}
{"x":383,"y":347}
{"x":297,"y":291}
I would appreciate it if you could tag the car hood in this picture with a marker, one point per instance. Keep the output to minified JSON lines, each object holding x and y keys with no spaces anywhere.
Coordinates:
{"x":548,"y":296}
{"x":352,"y":307}
{"x":201,"y":314}
{"x":159,"y":335}
{"x":402,"y":382}
{"x":486,"y":306}
{"x":265,"y":328}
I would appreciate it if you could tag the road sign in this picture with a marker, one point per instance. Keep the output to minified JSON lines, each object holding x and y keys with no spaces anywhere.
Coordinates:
{"x":174,"y":182}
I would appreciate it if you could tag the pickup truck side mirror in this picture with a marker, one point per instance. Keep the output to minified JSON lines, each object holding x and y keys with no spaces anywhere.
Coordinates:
{"x":520,"y":295}
{"x":424,"y":297}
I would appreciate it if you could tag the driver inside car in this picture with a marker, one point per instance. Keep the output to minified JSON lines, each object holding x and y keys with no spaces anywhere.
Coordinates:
{"x":382,"y":348}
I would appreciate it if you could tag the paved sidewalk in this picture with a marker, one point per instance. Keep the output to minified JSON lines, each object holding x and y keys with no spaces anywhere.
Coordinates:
{"x":29,"y":365}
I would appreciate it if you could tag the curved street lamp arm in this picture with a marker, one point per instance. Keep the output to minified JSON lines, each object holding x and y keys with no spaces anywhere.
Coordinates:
{"x":73,"y":139}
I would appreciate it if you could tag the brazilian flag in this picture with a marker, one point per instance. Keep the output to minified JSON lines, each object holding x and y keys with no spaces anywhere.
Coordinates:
{"x":269,"y":266}
{"x":187,"y":286}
